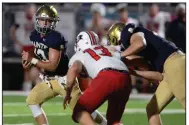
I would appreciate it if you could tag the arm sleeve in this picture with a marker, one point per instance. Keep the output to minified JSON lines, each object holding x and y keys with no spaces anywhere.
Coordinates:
{"x":76,"y":56}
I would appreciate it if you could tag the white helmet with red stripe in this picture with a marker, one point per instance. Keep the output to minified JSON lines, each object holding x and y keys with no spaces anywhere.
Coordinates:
{"x":85,"y":40}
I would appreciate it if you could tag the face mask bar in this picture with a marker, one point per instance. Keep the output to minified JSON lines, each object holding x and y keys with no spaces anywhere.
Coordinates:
{"x":46,"y":28}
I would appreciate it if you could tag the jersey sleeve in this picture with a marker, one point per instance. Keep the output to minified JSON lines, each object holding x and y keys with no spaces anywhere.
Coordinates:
{"x":126,"y":34}
{"x":139,"y":29}
{"x":76,"y":56}
{"x":57,"y":41}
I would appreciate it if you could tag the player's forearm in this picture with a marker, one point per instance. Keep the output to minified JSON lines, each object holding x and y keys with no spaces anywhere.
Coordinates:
{"x":71,"y":76}
{"x":132,"y":50}
{"x":136,"y":61}
{"x":49,"y":66}
{"x":150,"y":75}
{"x":72,"y":73}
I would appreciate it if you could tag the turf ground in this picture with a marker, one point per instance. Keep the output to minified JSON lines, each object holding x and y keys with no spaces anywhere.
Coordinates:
{"x":15,"y":112}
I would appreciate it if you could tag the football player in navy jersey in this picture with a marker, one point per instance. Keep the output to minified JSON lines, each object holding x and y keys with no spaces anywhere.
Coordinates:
{"x":49,"y":55}
{"x":164,"y":57}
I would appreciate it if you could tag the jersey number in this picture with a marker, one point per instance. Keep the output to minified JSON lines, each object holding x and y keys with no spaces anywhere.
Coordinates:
{"x":40,"y":53}
{"x":95,"y":56}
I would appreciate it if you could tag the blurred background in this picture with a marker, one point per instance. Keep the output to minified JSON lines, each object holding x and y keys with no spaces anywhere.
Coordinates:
{"x":167,"y":19}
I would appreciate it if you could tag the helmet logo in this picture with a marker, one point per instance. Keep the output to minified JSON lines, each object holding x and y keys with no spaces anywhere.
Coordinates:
{"x":130,"y":30}
{"x":80,"y":37}
{"x":114,"y":40}
{"x":44,"y":15}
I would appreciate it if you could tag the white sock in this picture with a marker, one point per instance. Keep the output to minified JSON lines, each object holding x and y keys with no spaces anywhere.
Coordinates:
{"x":97,"y":113}
{"x":36,"y":110}
{"x":27,"y":86}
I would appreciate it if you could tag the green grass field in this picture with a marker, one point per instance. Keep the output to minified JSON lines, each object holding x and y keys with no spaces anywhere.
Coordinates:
{"x":15,"y":111}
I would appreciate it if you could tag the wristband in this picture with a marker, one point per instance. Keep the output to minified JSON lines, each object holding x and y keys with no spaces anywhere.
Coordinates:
{"x":34,"y":61}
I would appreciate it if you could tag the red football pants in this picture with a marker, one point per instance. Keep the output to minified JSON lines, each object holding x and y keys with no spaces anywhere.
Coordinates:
{"x":108,"y":85}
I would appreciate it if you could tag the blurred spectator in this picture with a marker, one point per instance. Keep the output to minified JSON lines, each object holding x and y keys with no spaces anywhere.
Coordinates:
{"x":176,"y":31}
{"x":121,"y":8}
{"x":21,"y":30}
{"x":99,"y":24}
{"x":20,"y":33}
{"x":155,"y":20}
{"x":8,"y":20}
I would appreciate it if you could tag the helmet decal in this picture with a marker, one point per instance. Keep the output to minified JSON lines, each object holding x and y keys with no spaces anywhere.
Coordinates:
{"x":92,"y":37}
{"x":86,"y":39}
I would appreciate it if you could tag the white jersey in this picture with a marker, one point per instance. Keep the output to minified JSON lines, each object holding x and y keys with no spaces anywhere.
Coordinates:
{"x":97,"y":58}
{"x":156,"y":23}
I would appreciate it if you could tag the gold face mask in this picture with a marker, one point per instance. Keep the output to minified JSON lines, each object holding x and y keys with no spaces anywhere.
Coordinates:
{"x":114,"y":33}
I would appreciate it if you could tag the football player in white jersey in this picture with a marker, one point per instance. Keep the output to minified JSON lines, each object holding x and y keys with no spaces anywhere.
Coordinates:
{"x":110,"y":80}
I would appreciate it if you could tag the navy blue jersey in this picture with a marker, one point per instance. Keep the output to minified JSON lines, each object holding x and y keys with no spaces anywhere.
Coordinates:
{"x":53,"y":40}
{"x":157,"y":50}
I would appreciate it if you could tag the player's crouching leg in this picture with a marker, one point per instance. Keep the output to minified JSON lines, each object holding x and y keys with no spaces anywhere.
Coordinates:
{"x":38,"y":114}
{"x":96,"y":116}
{"x":153,"y":114}
{"x":75,"y":94}
{"x":79,"y":114}
{"x":39,"y":94}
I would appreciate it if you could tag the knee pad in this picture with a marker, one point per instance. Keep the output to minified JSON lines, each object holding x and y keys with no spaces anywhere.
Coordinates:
{"x":36,"y":110}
